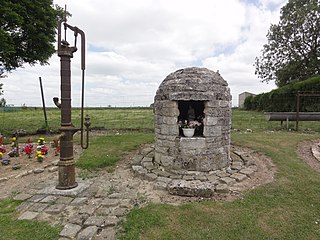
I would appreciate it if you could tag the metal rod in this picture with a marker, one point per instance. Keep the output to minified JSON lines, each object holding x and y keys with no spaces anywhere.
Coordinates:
{"x":43,"y":105}
{"x":297,"y":110}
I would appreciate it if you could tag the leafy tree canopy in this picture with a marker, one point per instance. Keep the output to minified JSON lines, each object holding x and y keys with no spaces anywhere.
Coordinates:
{"x":293,"y":49}
{"x":27,"y":32}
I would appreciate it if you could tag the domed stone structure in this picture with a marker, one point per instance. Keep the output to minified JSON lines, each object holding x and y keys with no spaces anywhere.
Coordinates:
{"x":193,"y":96}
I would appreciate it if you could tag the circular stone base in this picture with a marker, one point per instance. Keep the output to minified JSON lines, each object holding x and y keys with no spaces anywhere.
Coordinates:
{"x":194,"y":183}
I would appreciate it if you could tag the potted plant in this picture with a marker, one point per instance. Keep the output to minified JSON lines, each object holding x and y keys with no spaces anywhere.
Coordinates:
{"x":188,"y":127}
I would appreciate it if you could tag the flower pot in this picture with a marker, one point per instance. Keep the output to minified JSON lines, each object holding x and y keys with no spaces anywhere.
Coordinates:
{"x":188,"y":132}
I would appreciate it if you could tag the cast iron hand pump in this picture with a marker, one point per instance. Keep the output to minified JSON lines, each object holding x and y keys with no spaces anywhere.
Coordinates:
{"x":65,"y":52}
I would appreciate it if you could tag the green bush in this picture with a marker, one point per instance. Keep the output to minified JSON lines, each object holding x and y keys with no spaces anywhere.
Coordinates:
{"x":284,"y":99}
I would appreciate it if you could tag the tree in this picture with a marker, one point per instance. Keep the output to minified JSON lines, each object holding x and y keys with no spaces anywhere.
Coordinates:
{"x":27,"y":32}
{"x":293,"y":49}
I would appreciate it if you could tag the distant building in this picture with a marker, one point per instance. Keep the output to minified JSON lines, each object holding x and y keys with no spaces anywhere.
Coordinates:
{"x":242,"y":97}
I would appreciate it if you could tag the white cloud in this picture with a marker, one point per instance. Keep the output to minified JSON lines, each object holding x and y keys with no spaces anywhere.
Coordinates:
{"x":134,"y":45}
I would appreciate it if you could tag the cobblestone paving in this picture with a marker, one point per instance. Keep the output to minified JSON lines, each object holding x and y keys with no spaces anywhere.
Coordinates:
{"x":93,"y":210}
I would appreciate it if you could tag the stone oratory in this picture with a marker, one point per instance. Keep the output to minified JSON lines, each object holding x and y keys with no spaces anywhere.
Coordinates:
{"x":193,"y":94}
{"x":203,"y":163}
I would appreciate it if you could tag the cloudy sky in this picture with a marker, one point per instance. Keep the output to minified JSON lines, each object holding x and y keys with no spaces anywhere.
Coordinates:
{"x":133,"y":45}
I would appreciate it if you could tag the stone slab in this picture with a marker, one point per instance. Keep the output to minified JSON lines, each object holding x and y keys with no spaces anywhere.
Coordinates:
{"x":222,"y":188}
{"x":70,"y":230}
{"x":36,"y":198}
{"x":28,"y":215}
{"x":316,"y":151}
{"x":110,"y":202}
{"x":79,"y":201}
{"x":159,"y":185}
{"x":188,"y":177}
{"x":49,"y":199}
{"x":55,"y":208}
{"x":94,"y":221}
{"x":53,"y":169}
{"x":111,"y":221}
{"x":150,"y":176}
{"x":248,"y":172}
{"x":88,"y":233}
{"x":64,"y":200}
{"x":51,"y":190}
{"x":194,"y":188}
{"x":119,"y":212}
{"x":24,"y":206}
{"x":78,"y":218}
{"x":239,"y":177}
{"x":222,"y":174}
{"x":164,"y":179}
{"x":228,"y":180}
{"x":106,"y":234}
{"x":22,"y":197}
{"x":87,"y":209}
{"x":38,"y":170}
{"x":38,"y":207}
{"x":136,"y":159}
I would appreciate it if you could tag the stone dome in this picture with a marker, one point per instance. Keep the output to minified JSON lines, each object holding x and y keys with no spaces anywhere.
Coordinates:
{"x":187,"y":96}
{"x":192,"y":83}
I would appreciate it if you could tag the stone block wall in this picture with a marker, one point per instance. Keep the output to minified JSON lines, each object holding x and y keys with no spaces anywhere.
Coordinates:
{"x":203,"y":153}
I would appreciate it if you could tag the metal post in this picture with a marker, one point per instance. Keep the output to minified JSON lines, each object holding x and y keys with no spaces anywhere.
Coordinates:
{"x":43,"y":105}
{"x":66,"y":164}
{"x":297,"y":110}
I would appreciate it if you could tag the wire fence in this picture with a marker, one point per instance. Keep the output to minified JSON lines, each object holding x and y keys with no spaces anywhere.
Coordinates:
{"x":31,"y":120}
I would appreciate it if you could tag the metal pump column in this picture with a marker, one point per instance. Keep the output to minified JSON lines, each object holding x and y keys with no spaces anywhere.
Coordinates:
{"x":65,"y":52}
{"x":66,"y":164}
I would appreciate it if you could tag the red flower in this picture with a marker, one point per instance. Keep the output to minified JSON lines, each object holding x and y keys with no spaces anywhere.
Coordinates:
{"x":3,"y":149}
{"x":28,"y":149}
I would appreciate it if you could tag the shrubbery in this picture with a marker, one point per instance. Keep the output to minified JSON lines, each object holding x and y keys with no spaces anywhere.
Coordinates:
{"x":284,"y":99}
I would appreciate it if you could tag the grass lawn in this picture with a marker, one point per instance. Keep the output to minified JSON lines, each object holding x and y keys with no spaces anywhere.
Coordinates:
{"x":107,"y":118}
{"x":11,"y":229}
{"x":105,"y":151}
{"x":287,"y":208}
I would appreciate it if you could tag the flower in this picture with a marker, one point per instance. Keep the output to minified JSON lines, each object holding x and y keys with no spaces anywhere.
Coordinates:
{"x":2,"y":149}
{"x":39,"y":156}
{"x":41,"y":141}
{"x":194,"y":124}
{"x":28,"y":149}
{"x":189,"y":124}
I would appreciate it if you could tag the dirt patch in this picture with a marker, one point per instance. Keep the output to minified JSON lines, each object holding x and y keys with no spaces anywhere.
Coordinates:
{"x":30,"y":172}
{"x":305,"y":153}
{"x":17,"y":183}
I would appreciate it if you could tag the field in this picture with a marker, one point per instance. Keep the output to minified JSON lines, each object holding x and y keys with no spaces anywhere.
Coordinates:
{"x":287,"y":208}
{"x":32,"y":119}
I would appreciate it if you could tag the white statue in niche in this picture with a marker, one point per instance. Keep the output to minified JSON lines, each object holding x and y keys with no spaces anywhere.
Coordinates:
{"x":191,"y":114}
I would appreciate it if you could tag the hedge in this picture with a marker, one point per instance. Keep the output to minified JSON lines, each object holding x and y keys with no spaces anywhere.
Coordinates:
{"x":284,"y":99}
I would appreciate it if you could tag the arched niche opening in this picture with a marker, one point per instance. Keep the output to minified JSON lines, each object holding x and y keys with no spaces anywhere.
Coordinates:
{"x":191,"y":111}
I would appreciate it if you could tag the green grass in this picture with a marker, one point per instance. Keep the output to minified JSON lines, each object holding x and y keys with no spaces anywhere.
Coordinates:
{"x":32,"y":119}
{"x":11,"y":229}
{"x":127,"y":118}
{"x":254,"y":120}
{"x":287,"y":208}
{"x":105,"y":151}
